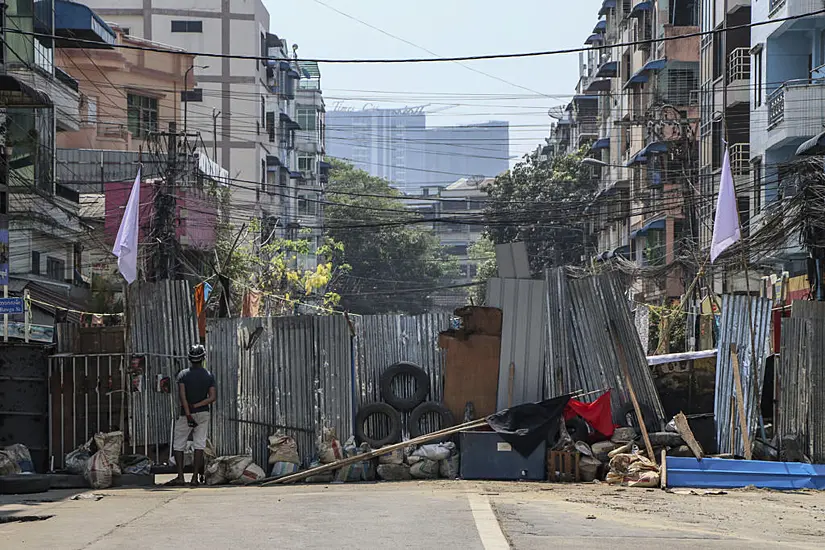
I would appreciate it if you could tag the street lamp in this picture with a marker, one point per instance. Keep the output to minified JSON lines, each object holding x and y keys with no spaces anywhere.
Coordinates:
{"x":186,"y":94}
{"x":594,"y":162}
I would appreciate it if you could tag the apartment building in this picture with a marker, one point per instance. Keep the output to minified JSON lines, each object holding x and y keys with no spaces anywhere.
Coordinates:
{"x":41,"y":235}
{"x":231,"y":105}
{"x":787,"y":81}
{"x":637,"y":106}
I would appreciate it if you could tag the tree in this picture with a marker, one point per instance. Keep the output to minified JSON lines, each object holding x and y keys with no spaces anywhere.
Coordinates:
{"x":251,"y":259}
{"x":395,"y":261}
{"x":483,"y":252}
{"x":542,"y":202}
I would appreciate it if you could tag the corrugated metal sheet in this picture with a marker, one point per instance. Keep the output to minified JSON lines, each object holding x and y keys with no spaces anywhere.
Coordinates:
{"x":807,"y":309}
{"x":382,"y":340}
{"x":285,"y":373}
{"x":745,"y":321}
{"x":163,"y":326}
{"x":86,"y":170}
{"x":560,"y":358}
{"x":523,"y":342}
{"x":596,"y":303}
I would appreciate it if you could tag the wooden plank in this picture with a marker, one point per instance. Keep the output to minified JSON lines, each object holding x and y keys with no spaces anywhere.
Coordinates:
{"x":740,"y":403}
{"x":687,"y":434}
{"x":663,"y":470}
{"x":471,"y":373}
{"x":639,"y":418}
{"x":378,"y":452}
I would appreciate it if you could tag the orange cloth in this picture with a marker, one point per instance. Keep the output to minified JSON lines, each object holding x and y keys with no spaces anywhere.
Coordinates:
{"x":200,"y":309}
{"x":251,"y":303}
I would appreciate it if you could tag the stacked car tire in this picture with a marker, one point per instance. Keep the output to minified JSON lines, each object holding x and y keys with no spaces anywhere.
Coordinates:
{"x":393,"y":405}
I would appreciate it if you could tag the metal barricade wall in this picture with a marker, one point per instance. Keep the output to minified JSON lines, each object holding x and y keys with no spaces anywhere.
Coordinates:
{"x":383,"y":340}
{"x":163,"y":325}
{"x":86,"y":396}
{"x":288,"y":373}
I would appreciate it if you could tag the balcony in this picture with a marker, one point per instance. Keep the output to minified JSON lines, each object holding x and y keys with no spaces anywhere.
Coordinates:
{"x":781,"y":9}
{"x":795,"y":123}
{"x":588,"y":129}
{"x":739,"y":76}
{"x":740,"y":158}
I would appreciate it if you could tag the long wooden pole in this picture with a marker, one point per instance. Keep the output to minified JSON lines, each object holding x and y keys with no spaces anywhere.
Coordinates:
{"x":740,"y":403}
{"x":378,"y":452}
{"x":639,"y":418}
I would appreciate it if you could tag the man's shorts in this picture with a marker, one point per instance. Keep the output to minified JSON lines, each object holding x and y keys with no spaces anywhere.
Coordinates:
{"x":199,"y":433}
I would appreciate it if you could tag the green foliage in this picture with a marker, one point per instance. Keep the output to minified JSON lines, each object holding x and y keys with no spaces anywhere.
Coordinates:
{"x":388,"y":253}
{"x":271,"y":267}
{"x":483,"y":252}
{"x":542,"y":203}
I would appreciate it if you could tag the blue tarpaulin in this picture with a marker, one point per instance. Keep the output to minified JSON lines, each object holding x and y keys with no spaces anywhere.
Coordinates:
{"x":720,"y":473}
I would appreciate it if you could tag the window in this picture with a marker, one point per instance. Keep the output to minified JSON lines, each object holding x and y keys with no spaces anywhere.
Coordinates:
{"x":194,"y":95}
{"x":307,"y":204}
{"x":757,"y":185}
{"x":55,"y":269}
{"x":187,"y":26}
{"x":718,"y":54}
{"x":757,"y":75}
{"x":684,"y":13}
{"x":307,"y":118}
{"x":263,"y":113}
{"x":142,"y":115}
{"x":35,"y":263}
{"x":127,"y":31}
{"x":306,"y":164}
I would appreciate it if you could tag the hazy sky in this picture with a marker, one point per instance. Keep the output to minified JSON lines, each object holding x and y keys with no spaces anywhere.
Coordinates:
{"x":447,"y":28}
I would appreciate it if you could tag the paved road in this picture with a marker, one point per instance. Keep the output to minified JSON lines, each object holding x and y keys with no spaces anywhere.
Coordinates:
{"x":426,"y":515}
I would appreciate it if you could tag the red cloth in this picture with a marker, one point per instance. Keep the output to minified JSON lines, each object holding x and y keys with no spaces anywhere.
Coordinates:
{"x":596,"y":413}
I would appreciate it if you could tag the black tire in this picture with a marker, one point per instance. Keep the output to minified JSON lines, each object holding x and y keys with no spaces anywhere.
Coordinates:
{"x":24,"y":484}
{"x":422,"y":386}
{"x":382,"y":409}
{"x":414,"y":424}
{"x":577,"y":428}
{"x":627,"y":418}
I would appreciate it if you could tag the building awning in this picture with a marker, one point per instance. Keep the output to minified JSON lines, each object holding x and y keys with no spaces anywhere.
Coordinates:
{"x":294,"y":74}
{"x":296,"y":175}
{"x":641,"y":76}
{"x":608,"y":70}
{"x":283,"y":65}
{"x":600,"y":27}
{"x":641,"y":156}
{"x":607,"y":5}
{"x":585,"y":97}
{"x":657,"y":225}
{"x":273,"y":161}
{"x":14,"y":93}
{"x":288,"y":122}
{"x":594,"y":39}
{"x":813,"y":147}
{"x":599,"y":85}
{"x":324,"y":165}
{"x":602,"y":143}
{"x":74,"y":22}
{"x":640,"y":8}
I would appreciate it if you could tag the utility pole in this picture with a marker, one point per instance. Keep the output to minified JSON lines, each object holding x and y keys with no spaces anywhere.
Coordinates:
{"x":165,"y":210}
{"x":215,"y":115}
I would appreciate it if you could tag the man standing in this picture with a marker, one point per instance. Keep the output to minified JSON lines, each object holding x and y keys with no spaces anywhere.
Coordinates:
{"x":196,"y":387}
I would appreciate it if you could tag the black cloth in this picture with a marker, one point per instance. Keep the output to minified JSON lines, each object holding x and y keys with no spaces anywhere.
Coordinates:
{"x":526,"y":426}
{"x":196,"y":381}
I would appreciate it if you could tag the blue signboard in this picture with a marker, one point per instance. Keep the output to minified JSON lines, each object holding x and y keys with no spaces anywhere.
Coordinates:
{"x":11,"y":305}
{"x":4,"y":257}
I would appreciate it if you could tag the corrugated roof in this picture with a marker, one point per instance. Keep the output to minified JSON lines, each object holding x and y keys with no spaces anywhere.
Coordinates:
{"x":309,"y":69}
{"x":93,"y":206}
{"x":470,"y":184}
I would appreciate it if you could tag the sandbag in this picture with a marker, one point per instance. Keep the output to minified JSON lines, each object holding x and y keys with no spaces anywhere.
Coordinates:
{"x":394,"y":472}
{"x":250,"y":474}
{"x":7,"y":464}
{"x":99,"y":471}
{"x":329,"y":448}
{"x":633,"y":470}
{"x":77,"y":459}
{"x":139,"y":465}
{"x":588,"y":468}
{"x":435,"y":452}
{"x":226,"y":469}
{"x":425,"y":469}
{"x":283,"y":448}
{"x":110,"y":444}
{"x":20,"y":454}
{"x":602,"y":449}
{"x":449,"y":468}
{"x":281,"y":469}
{"x":395,"y":457}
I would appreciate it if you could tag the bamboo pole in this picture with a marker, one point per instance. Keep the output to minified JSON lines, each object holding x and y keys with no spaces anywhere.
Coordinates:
{"x":740,"y":404}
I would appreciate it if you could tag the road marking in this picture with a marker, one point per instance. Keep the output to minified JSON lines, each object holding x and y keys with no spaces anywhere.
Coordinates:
{"x":487,"y":524}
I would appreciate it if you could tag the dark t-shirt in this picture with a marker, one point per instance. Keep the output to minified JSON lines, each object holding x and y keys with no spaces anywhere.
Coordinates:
{"x":197,"y":381}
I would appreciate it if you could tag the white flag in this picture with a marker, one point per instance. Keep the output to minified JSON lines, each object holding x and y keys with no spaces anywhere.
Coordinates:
{"x":726,"y":225}
{"x":126,"y":243}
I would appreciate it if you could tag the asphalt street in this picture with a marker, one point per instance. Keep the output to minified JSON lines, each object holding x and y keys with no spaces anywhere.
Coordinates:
{"x":428,"y":515}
